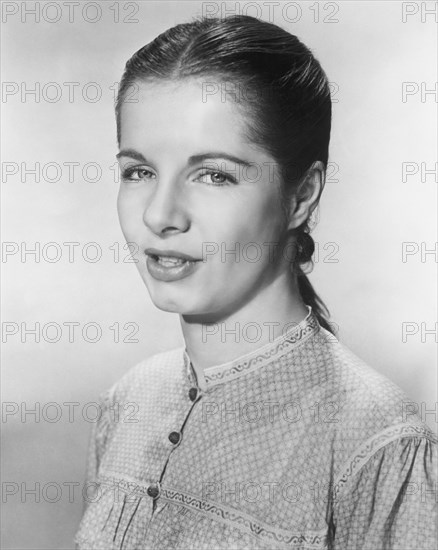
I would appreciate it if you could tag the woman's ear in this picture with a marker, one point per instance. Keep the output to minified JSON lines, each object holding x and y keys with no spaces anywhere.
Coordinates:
{"x":306,"y":198}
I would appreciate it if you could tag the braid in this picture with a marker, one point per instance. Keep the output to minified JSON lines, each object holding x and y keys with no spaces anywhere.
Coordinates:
{"x":305,"y":247}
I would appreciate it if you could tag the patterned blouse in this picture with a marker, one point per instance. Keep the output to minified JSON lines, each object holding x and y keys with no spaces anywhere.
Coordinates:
{"x":296,"y":445}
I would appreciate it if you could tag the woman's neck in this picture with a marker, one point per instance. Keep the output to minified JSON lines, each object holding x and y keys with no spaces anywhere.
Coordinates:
{"x":275,"y":309}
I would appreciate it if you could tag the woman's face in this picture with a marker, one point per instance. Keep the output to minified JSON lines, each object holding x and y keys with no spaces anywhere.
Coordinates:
{"x":192,"y":185}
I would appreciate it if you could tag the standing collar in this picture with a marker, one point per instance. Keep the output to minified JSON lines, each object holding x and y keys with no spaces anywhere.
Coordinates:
{"x":219,"y":374}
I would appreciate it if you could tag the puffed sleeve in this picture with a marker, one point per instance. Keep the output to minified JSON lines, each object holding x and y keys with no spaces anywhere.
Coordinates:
{"x":390,"y":503}
{"x":99,"y":433}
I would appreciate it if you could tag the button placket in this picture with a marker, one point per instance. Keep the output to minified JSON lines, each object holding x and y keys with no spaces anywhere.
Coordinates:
{"x":175,"y":438}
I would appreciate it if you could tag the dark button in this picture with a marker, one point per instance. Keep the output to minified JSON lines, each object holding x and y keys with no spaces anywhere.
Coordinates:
{"x":193,"y":393}
{"x":153,"y":490}
{"x":174,"y":437}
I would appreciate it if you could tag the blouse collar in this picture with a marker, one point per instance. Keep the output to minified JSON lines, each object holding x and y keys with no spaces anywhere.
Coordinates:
{"x":219,"y":374}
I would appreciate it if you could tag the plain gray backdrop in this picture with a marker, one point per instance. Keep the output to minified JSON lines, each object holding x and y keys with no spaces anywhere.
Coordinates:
{"x":380,"y":58}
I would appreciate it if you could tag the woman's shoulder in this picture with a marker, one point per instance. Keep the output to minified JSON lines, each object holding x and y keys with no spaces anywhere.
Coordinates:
{"x":378,"y":432}
{"x":360,"y":406}
{"x":151,"y":375}
{"x":362,"y":381}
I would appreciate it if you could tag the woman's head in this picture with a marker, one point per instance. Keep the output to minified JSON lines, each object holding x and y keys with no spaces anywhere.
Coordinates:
{"x":238,"y":86}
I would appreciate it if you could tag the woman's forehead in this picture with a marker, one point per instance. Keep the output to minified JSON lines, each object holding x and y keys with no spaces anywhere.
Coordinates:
{"x":178,"y":103}
{"x":164,"y":115}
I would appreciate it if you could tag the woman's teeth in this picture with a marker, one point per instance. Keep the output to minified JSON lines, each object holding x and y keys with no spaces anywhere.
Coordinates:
{"x":169,"y":261}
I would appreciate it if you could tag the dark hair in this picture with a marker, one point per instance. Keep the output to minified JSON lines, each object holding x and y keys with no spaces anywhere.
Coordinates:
{"x":289,"y":103}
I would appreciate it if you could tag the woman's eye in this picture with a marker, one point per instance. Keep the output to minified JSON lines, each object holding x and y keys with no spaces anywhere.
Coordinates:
{"x":137,"y":174}
{"x":212,"y":177}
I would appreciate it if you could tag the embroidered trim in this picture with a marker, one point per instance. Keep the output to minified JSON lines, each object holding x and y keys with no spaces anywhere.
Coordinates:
{"x":267,"y":353}
{"x":313,"y":540}
{"x":128,"y":485}
{"x":242,"y":521}
{"x":372,"y":445}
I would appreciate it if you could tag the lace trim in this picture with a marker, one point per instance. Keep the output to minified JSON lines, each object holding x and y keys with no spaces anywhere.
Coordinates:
{"x":372,"y":445}
{"x":242,"y":521}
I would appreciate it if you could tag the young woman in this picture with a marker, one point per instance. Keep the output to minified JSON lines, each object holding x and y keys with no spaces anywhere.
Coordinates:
{"x":263,"y":431}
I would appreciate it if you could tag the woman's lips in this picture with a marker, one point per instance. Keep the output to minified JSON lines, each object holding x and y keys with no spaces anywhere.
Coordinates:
{"x":169,"y":254}
{"x":169,"y":265}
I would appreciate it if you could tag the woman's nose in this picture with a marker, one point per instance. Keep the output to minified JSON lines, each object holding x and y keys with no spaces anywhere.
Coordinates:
{"x":164,"y":211}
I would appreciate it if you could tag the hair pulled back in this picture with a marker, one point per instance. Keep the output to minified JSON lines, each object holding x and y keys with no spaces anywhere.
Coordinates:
{"x":279,"y":83}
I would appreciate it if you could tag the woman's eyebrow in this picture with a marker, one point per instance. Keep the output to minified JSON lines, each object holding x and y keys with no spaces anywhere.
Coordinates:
{"x":132,"y":153}
{"x":194,"y":159}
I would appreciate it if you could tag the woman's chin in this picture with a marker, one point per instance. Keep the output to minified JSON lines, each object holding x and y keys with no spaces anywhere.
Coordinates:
{"x":182,"y":307}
